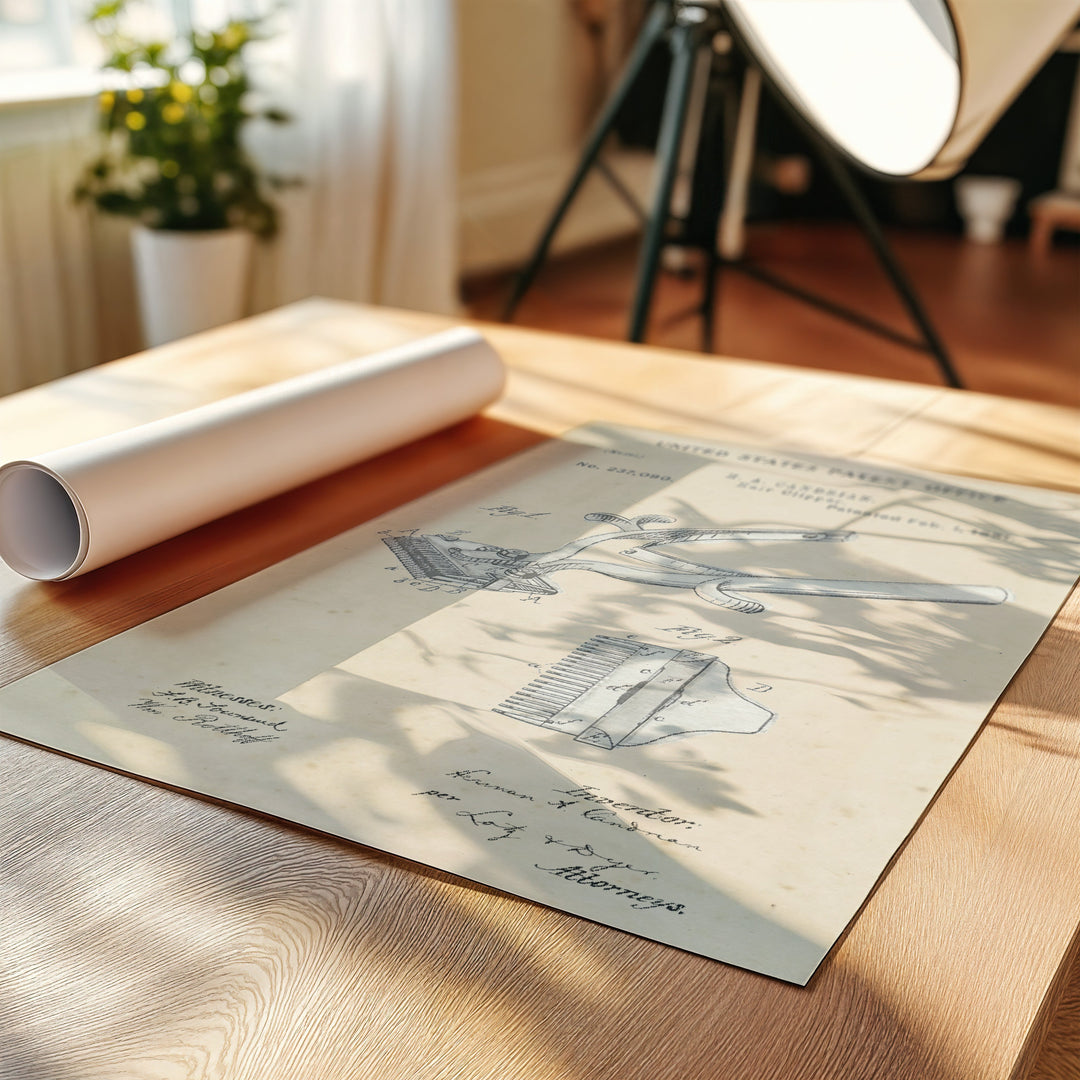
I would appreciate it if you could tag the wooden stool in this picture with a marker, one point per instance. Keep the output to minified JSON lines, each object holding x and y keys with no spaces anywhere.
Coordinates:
{"x":1049,"y":212}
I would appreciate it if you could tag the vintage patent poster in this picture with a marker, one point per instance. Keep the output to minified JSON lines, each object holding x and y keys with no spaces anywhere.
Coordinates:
{"x":700,"y":693}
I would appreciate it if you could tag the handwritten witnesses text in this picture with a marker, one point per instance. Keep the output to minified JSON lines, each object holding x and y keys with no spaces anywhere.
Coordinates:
{"x":211,"y":707}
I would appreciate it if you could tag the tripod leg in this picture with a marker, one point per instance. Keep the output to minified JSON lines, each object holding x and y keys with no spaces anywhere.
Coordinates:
{"x":682,"y":195}
{"x":869,"y":223}
{"x":686,"y":38}
{"x":652,"y":31}
{"x":709,"y":301}
{"x":728,"y":201}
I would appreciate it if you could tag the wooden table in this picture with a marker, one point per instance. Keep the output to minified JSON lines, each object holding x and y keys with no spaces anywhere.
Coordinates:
{"x":149,"y":934}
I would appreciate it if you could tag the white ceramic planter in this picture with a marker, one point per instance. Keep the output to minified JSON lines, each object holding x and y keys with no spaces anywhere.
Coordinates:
{"x":189,"y":281}
{"x":986,"y":203}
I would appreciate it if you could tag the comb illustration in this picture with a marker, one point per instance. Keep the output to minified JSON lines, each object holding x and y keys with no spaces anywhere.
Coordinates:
{"x":472,"y":564}
{"x":612,"y":692}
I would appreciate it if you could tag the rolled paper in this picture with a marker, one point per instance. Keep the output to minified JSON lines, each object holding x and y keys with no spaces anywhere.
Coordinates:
{"x":69,"y":511}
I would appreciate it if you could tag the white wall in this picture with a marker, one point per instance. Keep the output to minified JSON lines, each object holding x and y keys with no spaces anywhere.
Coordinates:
{"x":527,"y":91}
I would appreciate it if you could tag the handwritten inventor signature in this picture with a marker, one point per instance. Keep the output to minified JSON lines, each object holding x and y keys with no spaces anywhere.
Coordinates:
{"x":595,"y":870}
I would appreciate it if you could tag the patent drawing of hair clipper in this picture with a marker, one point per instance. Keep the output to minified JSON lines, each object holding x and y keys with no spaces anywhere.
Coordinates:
{"x":472,"y":564}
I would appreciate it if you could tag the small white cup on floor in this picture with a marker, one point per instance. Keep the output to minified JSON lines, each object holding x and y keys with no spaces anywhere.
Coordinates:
{"x":986,"y":203}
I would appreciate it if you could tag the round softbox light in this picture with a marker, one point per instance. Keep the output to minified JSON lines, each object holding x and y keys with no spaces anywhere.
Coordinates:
{"x":904,"y":87}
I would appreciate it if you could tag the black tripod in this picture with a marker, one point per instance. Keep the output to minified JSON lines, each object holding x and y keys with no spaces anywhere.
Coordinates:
{"x":690,"y":26}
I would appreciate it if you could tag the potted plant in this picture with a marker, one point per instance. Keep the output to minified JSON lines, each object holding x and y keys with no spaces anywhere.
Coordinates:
{"x":172,"y":158}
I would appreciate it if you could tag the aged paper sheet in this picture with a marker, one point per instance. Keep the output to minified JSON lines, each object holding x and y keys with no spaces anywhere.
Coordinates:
{"x":700,"y":693}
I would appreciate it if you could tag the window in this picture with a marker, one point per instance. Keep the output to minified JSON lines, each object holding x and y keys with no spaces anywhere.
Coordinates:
{"x":36,"y":34}
{"x":47,"y":51}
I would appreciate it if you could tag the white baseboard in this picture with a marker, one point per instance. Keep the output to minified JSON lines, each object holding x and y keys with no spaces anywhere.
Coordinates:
{"x":503,"y":209}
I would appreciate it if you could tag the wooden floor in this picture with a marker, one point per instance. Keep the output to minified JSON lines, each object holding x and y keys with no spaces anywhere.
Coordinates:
{"x":1010,"y":320}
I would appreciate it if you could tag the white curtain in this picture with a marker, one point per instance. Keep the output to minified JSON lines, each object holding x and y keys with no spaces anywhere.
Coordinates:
{"x":372,"y":87}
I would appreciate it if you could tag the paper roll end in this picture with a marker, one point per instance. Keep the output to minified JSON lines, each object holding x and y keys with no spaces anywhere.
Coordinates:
{"x":42,"y":533}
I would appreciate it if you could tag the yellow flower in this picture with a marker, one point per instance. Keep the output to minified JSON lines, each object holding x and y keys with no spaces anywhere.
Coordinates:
{"x":170,"y":168}
{"x":135,"y":121}
{"x":135,"y":96}
{"x":106,"y":100}
{"x":180,"y":91}
{"x":233,"y":36}
{"x":172,"y":113}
